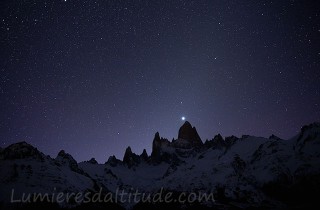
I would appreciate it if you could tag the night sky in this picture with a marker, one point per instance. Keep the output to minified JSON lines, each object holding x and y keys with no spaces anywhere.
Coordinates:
{"x":93,"y":77}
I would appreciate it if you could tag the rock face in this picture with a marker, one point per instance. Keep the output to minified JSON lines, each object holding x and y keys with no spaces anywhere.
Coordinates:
{"x":274,"y":137}
{"x":230,"y":140}
{"x":165,"y":151}
{"x":113,"y":161}
{"x":159,"y":147}
{"x":216,"y":143}
{"x":93,"y":161}
{"x":66,"y":159}
{"x":21,"y":150}
{"x":144,"y":155}
{"x":248,"y":172}
{"x":130,"y":158}
{"x":189,"y":134}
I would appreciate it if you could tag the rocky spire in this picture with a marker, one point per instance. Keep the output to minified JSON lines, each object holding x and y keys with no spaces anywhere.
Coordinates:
{"x":67,"y":160}
{"x":144,"y":155}
{"x":189,"y":133}
{"x":127,"y":155}
{"x":130,"y":158}
{"x":157,"y":145}
{"x":216,"y":143}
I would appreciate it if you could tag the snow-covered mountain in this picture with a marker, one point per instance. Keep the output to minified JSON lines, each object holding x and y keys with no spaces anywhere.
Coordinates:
{"x":239,"y":173}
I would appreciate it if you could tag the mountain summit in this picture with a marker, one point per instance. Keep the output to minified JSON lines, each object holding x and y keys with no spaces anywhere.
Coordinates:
{"x":247,"y":172}
{"x":188,"y":136}
{"x":164,"y":150}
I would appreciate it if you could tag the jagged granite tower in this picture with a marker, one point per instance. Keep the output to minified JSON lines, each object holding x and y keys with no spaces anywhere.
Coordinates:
{"x":188,"y":137}
{"x":164,"y":150}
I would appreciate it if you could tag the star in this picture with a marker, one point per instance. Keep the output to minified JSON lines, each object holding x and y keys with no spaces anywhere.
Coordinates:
{"x":217,"y":77}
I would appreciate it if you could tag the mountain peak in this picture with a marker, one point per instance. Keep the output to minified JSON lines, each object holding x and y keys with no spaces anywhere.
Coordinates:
{"x":93,"y":161}
{"x":144,"y":155}
{"x":67,"y":160}
{"x":187,"y":132}
{"x":113,"y":161}
{"x":187,"y":123}
{"x":130,"y":158}
{"x":21,"y":150}
{"x":62,"y":153}
{"x":156,"y":136}
{"x":128,"y":150}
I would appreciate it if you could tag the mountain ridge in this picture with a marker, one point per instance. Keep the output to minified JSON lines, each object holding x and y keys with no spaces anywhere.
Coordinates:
{"x":247,"y":171}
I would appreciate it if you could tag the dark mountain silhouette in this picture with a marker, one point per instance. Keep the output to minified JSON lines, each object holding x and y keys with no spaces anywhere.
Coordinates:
{"x":246,"y":172}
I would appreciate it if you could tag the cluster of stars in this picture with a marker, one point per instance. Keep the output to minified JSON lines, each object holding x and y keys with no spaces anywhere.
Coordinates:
{"x":98,"y":76}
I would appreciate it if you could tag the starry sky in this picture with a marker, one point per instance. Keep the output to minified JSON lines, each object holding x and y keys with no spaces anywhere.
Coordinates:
{"x":93,"y":77}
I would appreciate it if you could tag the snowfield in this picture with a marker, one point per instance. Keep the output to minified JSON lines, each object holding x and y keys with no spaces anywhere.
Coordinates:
{"x":240,"y":172}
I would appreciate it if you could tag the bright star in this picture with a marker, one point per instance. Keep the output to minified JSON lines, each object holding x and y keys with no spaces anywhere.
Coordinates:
{"x":183,"y":118}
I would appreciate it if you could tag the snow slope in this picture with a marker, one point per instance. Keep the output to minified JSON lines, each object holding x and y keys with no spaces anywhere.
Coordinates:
{"x":242,"y":169}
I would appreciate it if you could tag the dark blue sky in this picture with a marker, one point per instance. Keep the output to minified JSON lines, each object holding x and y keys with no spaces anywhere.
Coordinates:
{"x":93,"y":77}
